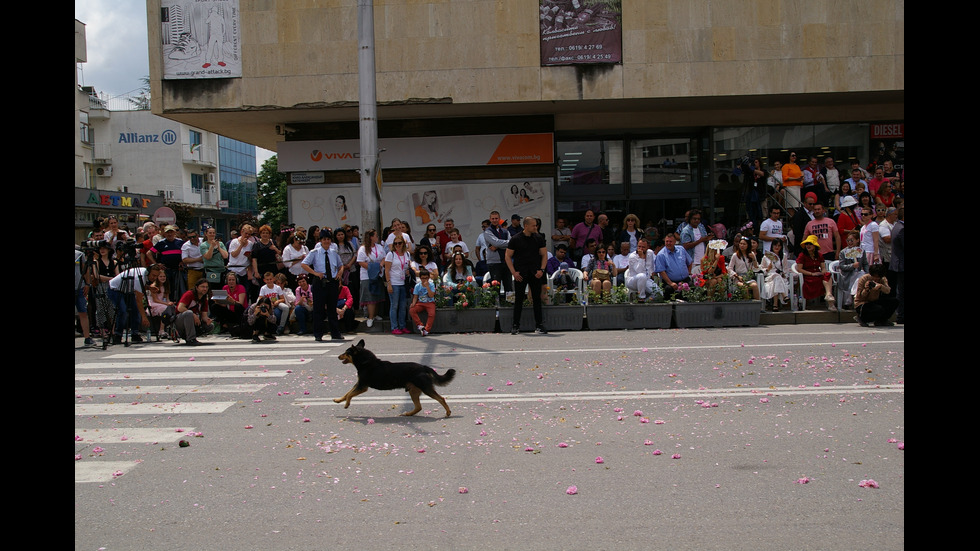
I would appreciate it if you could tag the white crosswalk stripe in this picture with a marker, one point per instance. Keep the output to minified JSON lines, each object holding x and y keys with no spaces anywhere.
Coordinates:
{"x":182,"y":381}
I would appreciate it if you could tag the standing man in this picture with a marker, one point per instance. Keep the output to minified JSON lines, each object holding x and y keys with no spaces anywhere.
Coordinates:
{"x":826,"y":231}
{"x":792,"y":181}
{"x":673,"y":264}
{"x":608,"y":233}
{"x":527,"y":259}
{"x":497,"y":240}
{"x":801,"y":219}
{"x":898,"y":263}
{"x":192,"y":258}
{"x":885,"y":228}
{"x":515,"y":225}
{"x":582,"y":232}
{"x":561,"y":234}
{"x":326,"y":268}
{"x":772,"y":228}
{"x":167,"y":251}
{"x":832,"y":179}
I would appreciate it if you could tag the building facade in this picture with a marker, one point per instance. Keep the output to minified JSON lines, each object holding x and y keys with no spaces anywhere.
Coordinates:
{"x":697,"y":85}
{"x":132,"y":163}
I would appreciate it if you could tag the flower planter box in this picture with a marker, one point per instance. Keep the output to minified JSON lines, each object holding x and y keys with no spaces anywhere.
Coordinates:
{"x":556,"y":318}
{"x":451,"y":320}
{"x":717,"y":314}
{"x":629,"y":316}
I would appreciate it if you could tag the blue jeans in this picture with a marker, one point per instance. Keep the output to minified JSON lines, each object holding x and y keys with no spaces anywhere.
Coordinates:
{"x":126,"y":313}
{"x":303,"y":314}
{"x":399,"y":307}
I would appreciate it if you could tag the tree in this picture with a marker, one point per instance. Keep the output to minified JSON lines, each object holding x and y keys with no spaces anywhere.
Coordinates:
{"x":141,"y":102}
{"x":272,"y":199}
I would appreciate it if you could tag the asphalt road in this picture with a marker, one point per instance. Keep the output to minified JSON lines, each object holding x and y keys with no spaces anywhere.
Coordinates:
{"x":679,"y":439}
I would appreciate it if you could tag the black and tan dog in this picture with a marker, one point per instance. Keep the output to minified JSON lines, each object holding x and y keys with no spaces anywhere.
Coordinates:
{"x":415,"y":378}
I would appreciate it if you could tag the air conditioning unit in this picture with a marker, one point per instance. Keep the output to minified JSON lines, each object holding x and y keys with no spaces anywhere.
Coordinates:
{"x":103,"y":171}
{"x":211,"y":178}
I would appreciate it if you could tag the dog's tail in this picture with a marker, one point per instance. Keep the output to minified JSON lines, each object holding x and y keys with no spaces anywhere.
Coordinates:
{"x":445,"y":379}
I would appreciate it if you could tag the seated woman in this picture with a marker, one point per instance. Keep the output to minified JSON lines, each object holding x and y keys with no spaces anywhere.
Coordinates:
{"x":192,"y":313}
{"x":853,"y":264}
{"x":601,"y":271}
{"x":230,"y":313}
{"x":743,"y":263}
{"x":815,"y":278}
{"x":459,"y":271}
{"x":775,"y":267}
{"x":424,"y":260}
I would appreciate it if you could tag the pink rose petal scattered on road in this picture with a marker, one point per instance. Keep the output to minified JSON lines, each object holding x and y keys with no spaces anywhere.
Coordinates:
{"x":676,"y":456}
{"x":563,"y":444}
{"x":657,"y":452}
{"x":599,"y":460}
{"x":572,"y":490}
{"x":869,"y":483}
{"x":463,"y":490}
{"x":804,"y":480}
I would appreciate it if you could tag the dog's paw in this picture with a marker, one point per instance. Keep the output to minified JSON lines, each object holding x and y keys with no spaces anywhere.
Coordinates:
{"x":338,"y":400}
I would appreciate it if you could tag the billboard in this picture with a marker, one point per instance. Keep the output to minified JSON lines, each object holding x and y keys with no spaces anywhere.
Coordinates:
{"x":576,"y":32}
{"x":200,"y":39}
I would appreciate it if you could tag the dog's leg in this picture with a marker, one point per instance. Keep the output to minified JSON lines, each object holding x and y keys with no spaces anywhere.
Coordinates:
{"x":350,"y":394}
{"x":414,"y":392}
{"x":435,"y":396}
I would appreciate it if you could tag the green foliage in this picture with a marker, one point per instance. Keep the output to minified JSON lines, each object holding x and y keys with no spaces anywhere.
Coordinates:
{"x":272,"y":196}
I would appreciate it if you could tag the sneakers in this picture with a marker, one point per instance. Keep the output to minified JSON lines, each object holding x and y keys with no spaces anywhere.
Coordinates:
{"x":861,"y":323}
{"x":377,"y":318}
{"x":421,"y":329}
{"x":193,"y":342}
{"x":280,"y":330}
{"x":137,"y":338}
{"x":89,"y":341}
{"x":425,"y":333}
{"x":515,"y":330}
{"x":370,"y":322}
{"x":540,"y":330}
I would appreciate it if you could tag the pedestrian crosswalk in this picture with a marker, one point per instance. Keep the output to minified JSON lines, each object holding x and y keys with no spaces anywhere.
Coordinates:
{"x":123,"y":394}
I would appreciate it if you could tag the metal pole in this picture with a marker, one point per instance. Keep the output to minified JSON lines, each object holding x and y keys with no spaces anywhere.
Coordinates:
{"x":368,"y":111}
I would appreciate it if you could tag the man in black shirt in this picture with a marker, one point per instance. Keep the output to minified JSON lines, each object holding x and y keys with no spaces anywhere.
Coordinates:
{"x":527,"y":258}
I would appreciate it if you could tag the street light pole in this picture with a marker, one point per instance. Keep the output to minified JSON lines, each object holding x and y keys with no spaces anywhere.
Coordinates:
{"x":368,"y":111}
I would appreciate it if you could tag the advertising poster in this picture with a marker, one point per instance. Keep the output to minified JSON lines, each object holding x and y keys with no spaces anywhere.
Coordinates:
{"x":419,"y":204}
{"x":576,"y":32}
{"x":201,"y":39}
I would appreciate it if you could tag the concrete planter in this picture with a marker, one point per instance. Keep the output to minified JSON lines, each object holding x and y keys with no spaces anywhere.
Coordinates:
{"x":717,"y":314}
{"x":629,"y":316}
{"x":556,"y":318}
{"x":470,"y":320}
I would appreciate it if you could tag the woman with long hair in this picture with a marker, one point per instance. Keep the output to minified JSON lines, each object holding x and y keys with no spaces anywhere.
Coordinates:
{"x":230,"y":313}
{"x":370,"y":258}
{"x":192,"y":313}
{"x":631,"y":231}
{"x":601,"y":271}
{"x":744,"y":262}
{"x":459,"y":271}
{"x":774,"y":266}
{"x":397,"y":267}
{"x":423,"y":260}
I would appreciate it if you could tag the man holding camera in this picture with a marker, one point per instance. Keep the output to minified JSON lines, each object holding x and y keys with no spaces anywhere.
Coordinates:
{"x":872,"y":302}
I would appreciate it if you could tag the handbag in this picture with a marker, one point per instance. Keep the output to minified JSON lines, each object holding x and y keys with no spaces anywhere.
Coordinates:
{"x":601,"y":275}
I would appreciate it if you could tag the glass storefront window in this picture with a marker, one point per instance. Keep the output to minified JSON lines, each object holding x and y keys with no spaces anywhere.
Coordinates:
{"x":663,"y":165}
{"x":590,"y":168}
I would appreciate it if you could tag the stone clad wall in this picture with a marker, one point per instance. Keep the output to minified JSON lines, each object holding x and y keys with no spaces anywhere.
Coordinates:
{"x":300,"y":52}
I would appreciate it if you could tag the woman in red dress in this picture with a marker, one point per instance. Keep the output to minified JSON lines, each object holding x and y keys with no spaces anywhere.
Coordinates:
{"x":810,"y":264}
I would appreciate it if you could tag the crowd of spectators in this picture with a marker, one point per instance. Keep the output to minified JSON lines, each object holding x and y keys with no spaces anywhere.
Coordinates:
{"x":839,"y":231}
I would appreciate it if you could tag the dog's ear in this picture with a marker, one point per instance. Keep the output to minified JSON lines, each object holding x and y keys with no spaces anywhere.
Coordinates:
{"x":360,"y":344}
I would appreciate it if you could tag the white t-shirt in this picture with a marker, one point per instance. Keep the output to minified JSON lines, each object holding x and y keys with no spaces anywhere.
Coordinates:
{"x":867,"y":237}
{"x":773,"y":228}
{"x":374,"y":254}
{"x":399,"y":264}
{"x":451,"y":245}
{"x":274,"y":293}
